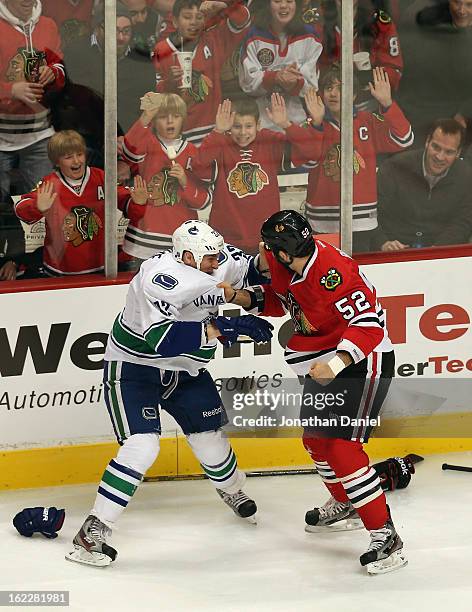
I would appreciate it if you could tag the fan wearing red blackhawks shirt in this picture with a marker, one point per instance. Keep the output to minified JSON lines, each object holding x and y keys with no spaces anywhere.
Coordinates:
{"x":155,"y":145}
{"x":210,"y":48}
{"x":374,"y":33}
{"x":30,"y":68}
{"x":72,"y":201}
{"x":242,"y":162}
{"x":341,"y":348}
{"x":374,"y":133}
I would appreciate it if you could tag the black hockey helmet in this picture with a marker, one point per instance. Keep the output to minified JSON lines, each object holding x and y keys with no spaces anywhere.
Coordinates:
{"x":289,"y":231}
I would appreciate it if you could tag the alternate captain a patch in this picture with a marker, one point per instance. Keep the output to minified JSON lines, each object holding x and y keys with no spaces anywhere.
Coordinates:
{"x":331,"y":280}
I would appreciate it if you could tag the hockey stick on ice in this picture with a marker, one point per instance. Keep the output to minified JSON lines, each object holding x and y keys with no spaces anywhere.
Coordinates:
{"x":457,"y":468}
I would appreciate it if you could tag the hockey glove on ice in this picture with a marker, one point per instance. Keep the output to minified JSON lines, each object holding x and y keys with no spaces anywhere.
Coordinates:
{"x":256,"y":328}
{"x":47,"y":521}
{"x":395,"y":473}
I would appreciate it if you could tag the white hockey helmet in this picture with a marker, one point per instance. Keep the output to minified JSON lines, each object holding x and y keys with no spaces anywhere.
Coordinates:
{"x":198,"y":238}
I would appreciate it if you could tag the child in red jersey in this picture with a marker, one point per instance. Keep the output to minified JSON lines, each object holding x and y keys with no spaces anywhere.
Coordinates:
{"x":242,"y":161}
{"x":210,"y":48}
{"x":72,"y":201}
{"x":385,"y":131}
{"x":155,"y":146}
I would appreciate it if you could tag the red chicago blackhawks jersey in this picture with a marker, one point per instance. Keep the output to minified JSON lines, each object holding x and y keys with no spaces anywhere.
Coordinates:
{"x":151,"y":231}
{"x":384,"y":50}
{"x":373,"y":133}
{"x":22,"y":53}
{"x":332,"y":305}
{"x":74,"y":242}
{"x":246,"y":190}
{"x":211,"y":52}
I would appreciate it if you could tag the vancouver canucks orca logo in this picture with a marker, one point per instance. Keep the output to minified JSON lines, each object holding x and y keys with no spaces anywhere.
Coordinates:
{"x":166,"y":281}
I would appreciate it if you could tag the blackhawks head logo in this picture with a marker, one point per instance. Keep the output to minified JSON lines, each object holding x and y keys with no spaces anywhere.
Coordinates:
{"x":332,"y":163}
{"x":80,"y":225}
{"x":163,"y":189}
{"x":25,"y":65}
{"x":331,"y":280}
{"x":247,"y":179}
{"x":301,"y":323}
{"x":200,"y":90}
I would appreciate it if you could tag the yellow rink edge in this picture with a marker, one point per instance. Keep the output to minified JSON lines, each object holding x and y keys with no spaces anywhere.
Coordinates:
{"x":84,"y":463}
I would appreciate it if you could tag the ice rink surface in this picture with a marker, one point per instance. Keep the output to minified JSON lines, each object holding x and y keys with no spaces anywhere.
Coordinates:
{"x":180,"y":548}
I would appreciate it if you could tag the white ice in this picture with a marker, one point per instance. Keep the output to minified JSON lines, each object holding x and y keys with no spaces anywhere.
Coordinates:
{"x":180,"y":548}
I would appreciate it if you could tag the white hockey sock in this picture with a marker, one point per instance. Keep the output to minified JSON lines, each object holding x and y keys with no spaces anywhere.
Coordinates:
{"x":218,"y":460}
{"x":123,"y":475}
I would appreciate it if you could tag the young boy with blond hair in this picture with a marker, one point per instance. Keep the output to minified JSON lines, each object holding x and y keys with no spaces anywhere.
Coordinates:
{"x":72,"y":201}
{"x":155,"y":147}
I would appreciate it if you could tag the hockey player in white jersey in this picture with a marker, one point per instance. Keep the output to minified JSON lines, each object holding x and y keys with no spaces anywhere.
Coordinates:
{"x":155,"y":358}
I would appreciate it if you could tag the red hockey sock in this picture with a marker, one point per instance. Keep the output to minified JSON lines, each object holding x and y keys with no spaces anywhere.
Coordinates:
{"x":316,"y":448}
{"x":360,"y":482}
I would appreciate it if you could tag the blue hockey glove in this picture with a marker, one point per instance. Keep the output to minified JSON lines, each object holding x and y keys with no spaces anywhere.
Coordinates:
{"x":256,"y":328}
{"x":47,"y":521}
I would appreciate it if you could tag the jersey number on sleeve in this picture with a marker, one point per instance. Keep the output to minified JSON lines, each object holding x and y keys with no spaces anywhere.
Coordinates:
{"x":351,"y":306}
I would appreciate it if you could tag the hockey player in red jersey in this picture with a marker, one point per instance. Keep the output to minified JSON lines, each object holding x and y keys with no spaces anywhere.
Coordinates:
{"x":242,"y":161}
{"x":341,"y":348}
{"x":154,"y":145}
{"x":72,"y":201}
{"x":373,"y":133}
{"x":210,"y":51}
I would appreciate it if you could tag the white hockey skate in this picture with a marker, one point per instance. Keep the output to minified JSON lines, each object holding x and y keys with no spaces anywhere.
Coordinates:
{"x":240,"y":504}
{"x":385,"y":553}
{"x":90,"y":546}
{"x":332,"y":516}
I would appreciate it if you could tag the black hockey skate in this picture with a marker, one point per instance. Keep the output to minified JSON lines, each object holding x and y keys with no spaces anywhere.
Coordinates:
{"x":90,"y":546}
{"x":240,"y":504}
{"x":385,"y":552}
{"x":332,"y":516}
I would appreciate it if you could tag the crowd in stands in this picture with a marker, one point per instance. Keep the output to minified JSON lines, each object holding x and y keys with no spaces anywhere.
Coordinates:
{"x":218,"y":99}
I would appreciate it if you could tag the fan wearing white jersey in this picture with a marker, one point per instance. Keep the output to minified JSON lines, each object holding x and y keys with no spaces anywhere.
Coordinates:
{"x":155,"y":358}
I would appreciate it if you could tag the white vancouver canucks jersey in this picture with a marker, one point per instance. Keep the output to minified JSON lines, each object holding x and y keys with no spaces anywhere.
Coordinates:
{"x":166,"y":291}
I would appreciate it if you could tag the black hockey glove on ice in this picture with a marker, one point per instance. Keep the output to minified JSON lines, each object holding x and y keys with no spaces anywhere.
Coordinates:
{"x":47,"y":521}
{"x":395,"y":473}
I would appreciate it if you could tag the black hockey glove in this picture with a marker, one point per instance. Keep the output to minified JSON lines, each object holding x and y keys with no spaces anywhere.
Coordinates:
{"x":47,"y":521}
{"x":395,"y":473}
{"x":256,"y":328}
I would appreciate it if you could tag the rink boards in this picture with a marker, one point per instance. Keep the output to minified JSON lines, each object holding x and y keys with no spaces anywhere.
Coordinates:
{"x":54,"y":428}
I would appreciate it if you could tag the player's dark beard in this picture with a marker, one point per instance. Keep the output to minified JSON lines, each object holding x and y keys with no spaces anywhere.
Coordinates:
{"x":286,"y":264}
